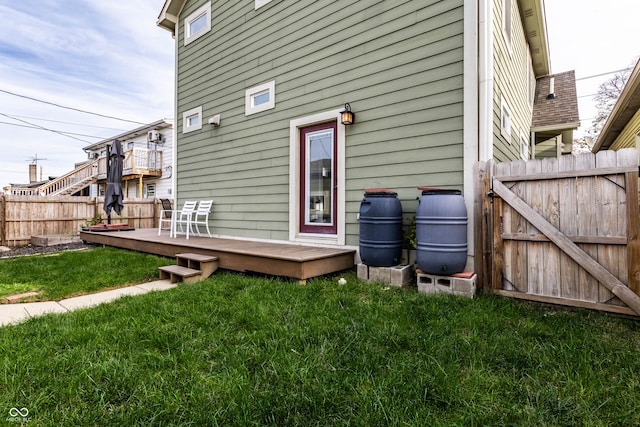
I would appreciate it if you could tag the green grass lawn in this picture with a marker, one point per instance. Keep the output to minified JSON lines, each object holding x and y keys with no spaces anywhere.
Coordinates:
{"x":66,"y":274}
{"x":251,"y":351}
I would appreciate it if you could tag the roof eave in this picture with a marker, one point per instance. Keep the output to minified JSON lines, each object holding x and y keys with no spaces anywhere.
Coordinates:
{"x":534,"y":19}
{"x":168,"y":18}
{"x":626,"y":106}
{"x":162,"y":123}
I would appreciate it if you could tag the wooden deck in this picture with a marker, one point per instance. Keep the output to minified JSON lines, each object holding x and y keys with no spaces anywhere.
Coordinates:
{"x":287,"y":260}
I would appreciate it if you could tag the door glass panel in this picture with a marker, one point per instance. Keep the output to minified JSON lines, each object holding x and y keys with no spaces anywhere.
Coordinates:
{"x":319,"y":178}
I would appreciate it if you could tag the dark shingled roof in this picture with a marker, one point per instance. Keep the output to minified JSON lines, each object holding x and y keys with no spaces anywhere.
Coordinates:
{"x":561,"y":111}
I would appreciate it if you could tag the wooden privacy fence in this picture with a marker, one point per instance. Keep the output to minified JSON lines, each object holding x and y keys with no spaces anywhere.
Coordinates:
{"x":24,"y":216}
{"x":562,"y":230}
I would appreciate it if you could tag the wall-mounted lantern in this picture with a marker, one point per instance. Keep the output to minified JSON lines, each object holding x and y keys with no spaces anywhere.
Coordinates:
{"x":347,"y":116}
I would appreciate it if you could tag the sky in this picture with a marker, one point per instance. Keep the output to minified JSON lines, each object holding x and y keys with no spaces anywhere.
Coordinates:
{"x":592,"y":37}
{"x":110,"y":58}
{"x":104,"y":57}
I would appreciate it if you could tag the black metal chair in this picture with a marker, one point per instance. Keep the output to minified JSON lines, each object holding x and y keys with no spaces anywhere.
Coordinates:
{"x":165,"y":214}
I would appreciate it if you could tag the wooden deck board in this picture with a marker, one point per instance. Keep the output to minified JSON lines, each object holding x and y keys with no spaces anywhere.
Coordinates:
{"x":277,"y":259}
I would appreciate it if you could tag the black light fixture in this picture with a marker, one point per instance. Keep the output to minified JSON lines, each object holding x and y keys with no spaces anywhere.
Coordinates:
{"x":347,"y":116}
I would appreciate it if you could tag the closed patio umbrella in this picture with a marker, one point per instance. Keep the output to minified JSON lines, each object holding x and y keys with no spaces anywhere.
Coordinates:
{"x":114,"y":195}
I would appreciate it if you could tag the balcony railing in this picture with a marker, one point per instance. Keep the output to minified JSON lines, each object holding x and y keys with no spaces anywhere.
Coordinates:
{"x":138,"y":161}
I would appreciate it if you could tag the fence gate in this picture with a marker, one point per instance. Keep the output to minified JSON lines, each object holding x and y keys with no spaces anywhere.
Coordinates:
{"x":563,"y":230}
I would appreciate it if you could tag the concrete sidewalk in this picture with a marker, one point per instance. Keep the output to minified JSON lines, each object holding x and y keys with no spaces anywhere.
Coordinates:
{"x":16,"y":313}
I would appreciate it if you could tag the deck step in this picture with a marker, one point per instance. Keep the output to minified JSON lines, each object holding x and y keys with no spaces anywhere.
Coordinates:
{"x":178,"y":273}
{"x":207,"y":264}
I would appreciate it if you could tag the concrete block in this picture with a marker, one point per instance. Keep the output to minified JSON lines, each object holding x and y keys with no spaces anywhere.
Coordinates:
{"x":380,"y":274}
{"x":363,"y":271}
{"x":463,"y":284}
{"x":426,"y":283}
{"x":401,"y":275}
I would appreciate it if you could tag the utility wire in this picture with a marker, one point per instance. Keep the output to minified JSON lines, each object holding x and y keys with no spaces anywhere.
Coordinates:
{"x":69,"y":108}
{"x":603,"y":74}
{"x":60,"y":131}
{"x":44,"y":128}
{"x":69,"y":123}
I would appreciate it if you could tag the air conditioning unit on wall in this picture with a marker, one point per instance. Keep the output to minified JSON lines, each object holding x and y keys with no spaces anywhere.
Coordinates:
{"x":154,"y":136}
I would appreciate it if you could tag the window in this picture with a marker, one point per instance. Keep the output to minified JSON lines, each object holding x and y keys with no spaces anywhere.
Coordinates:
{"x":151,"y":190}
{"x":130,"y":145}
{"x":197,"y":24}
{"x":260,"y":98}
{"x":524,"y":147}
{"x":260,"y":3}
{"x":192,"y":120}
{"x":507,"y":21}
{"x":505,"y":121}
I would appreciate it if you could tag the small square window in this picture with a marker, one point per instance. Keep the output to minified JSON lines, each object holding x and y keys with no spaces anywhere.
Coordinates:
{"x":197,"y":24}
{"x":260,"y":98}
{"x":192,"y":120}
{"x":505,"y":121}
{"x":259,"y":3}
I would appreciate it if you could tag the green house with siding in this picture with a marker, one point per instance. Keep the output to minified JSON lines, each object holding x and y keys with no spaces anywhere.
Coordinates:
{"x":435,"y":86}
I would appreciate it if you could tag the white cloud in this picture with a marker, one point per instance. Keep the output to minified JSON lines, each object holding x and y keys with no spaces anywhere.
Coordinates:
{"x":100,"y":56}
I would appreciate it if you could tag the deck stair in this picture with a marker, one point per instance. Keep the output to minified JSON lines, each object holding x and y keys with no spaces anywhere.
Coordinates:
{"x":190,"y":268}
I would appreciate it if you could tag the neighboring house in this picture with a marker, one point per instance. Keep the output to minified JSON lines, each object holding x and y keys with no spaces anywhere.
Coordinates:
{"x":147,"y":170}
{"x":435,"y":86}
{"x":555,"y":115}
{"x":622,"y":128}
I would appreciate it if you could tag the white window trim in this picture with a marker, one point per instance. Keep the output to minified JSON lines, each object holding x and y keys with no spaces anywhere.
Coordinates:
{"x":190,"y":113}
{"x":524,"y":146}
{"x":249,"y":95}
{"x":505,"y":131}
{"x":294,"y":179}
{"x":507,"y":22}
{"x":260,"y":3}
{"x":188,"y":37}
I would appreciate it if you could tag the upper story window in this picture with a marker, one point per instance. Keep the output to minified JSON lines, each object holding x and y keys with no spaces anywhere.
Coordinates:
{"x":197,"y":24}
{"x":507,"y":21}
{"x":505,"y":120}
{"x":260,"y":3}
{"x":260,"y":98}
{"x":192,"y":120}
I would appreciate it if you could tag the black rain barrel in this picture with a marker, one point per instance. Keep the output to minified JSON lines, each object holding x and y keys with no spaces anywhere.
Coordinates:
{"x":380,"y":228}
{"x":441,"y":231}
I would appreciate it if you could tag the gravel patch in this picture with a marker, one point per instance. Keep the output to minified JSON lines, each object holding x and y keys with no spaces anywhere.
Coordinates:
{"x":10,"y":252}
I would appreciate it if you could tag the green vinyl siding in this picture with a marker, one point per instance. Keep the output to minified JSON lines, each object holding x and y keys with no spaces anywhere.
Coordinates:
{"x":512,"y":69}
{"x":399,"y":65}
{"x":629,"y":136}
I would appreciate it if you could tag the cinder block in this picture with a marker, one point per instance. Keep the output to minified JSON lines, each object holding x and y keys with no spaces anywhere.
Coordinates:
{"x":426,"y":283}
{"x":443,"y":284}
{"x":401,"y":275}
{"x":363,"y":271}
{"x":465,"y":286}
{"x":380,"y":274}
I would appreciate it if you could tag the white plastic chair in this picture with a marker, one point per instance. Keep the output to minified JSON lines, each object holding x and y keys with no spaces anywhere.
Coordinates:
{"x":201,"y":216}
{"x":184,"y":216}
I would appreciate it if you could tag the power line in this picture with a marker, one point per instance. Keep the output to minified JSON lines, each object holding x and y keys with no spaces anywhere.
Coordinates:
{"x":69,"y":123}
{"x":44,"y":128}
{"x":603,"y":74}
{"x":60,"y":131}
{"x":69,"y":108}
